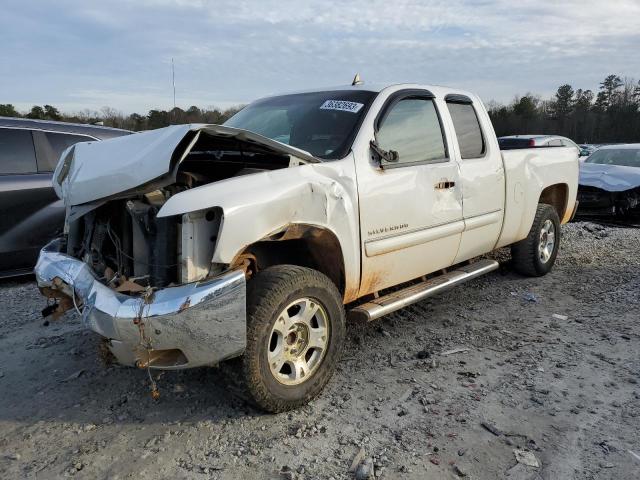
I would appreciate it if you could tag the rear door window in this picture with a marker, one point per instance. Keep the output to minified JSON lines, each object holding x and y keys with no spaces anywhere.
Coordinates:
{"x":17,"y":154}
{"x":468,"y":131}
{"x":412,"y":128}
{"x":50,"y":145}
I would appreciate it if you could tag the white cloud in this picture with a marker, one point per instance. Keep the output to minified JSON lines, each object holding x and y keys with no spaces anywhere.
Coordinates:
{"x":118,"y":53}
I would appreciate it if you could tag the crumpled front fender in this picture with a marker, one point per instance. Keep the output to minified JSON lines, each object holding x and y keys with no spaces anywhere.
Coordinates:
{"x":255,"y":206}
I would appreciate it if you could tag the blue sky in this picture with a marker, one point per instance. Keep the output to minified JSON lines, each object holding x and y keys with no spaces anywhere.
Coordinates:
{"x":85,"y":55}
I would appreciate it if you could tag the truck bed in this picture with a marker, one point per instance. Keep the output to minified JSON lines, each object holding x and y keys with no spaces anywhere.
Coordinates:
{"x":528,"y":172}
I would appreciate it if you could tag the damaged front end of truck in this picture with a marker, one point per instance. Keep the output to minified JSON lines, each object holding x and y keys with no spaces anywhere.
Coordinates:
{"x":140,"y":258}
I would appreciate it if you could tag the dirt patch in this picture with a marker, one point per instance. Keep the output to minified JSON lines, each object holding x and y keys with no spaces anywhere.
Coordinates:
{"x":550,"y":378}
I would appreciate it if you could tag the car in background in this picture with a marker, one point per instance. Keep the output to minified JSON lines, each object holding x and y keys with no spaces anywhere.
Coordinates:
{"x":609,"y":183}
{"x":30,"y":212}
{"x":516,"y":142}
{"x":587,"y":149}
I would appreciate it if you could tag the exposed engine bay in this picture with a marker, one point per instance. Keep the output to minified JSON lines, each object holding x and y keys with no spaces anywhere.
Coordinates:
{"x":130,"y":248}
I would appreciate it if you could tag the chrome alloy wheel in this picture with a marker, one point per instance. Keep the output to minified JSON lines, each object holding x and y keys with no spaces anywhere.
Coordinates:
{"x":298,"y":342}
{"x":547,"y":241}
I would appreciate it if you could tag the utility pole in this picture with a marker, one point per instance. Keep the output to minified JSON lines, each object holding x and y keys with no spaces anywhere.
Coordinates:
{"x":173,"y":79}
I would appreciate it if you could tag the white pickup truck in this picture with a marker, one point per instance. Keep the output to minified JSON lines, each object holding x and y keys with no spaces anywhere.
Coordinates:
{"x":193,"y":244}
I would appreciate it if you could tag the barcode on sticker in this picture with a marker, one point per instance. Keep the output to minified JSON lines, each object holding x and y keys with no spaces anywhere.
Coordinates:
{"x":342,"y":105}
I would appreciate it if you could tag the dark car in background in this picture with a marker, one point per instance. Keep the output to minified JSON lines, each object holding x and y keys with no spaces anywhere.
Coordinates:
{"x":30,"y":212}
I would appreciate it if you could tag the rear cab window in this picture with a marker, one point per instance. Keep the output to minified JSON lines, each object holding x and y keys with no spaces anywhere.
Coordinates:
{"x":467,"y":126}
{"x":411,"y":126}
{"x":17,"y":153}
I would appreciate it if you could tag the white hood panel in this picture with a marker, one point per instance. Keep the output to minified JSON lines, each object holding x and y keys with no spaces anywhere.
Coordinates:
{"x":103,"y":169}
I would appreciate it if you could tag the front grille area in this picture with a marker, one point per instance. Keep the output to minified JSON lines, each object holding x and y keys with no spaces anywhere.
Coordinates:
{"x":125,"y":240}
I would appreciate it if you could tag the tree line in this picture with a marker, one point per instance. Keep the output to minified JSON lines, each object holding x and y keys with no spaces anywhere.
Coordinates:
{"x":111,"y":117}
{"x":610,"y":115}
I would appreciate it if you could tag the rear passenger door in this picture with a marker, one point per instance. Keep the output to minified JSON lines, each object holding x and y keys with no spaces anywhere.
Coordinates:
{"x":482,"y":176}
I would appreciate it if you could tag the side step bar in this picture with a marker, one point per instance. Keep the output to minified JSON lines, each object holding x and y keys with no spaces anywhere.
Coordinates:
{"x":393,"y":301}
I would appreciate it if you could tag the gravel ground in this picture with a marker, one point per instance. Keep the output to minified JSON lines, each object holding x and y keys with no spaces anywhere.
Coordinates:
{"x":550,"y":377}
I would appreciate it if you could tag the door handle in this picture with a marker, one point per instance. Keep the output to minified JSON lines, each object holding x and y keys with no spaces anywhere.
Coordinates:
{"x":445,"y":184}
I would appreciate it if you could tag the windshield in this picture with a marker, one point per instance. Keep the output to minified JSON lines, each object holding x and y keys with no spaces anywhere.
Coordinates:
{"x":627,"y":157}
{"x":321,"y":123}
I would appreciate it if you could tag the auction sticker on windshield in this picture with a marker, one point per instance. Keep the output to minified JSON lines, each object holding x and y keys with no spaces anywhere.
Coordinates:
{"x":342,"y":105}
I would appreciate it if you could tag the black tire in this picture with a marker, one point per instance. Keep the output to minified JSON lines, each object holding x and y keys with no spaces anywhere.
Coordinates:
{"x":268,"y":294}
{"x":525,"y":254}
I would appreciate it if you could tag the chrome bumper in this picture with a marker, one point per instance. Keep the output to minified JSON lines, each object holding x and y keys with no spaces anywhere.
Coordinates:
{"x":191,"y":325}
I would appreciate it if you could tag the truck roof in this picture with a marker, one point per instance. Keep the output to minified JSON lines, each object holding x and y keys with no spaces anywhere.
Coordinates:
{"x":378,"y":87}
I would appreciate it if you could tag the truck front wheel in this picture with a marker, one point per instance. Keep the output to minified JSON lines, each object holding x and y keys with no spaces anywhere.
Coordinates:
{"x":295,"y":331}
{"x":535,"y":255}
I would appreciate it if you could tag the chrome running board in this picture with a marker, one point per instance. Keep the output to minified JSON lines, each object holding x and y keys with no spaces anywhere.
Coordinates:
{"x":393,"y":301}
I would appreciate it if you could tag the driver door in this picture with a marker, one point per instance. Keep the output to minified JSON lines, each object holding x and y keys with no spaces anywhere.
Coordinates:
{"x":410,"y":207}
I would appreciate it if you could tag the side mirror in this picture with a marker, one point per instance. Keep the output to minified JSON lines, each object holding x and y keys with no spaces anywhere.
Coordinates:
{"x":389,"y":156}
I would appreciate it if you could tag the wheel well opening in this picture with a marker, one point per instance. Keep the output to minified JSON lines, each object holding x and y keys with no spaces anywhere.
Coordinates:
{"x":556,"y":196}
{"x":297,"y":244}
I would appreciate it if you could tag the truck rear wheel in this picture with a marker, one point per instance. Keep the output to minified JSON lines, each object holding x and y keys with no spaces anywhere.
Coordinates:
{"x":295,"y":331}
{"x":535,"y":255}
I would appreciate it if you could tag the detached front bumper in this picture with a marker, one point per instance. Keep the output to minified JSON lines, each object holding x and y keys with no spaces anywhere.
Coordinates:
{"x":187,"y":326}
